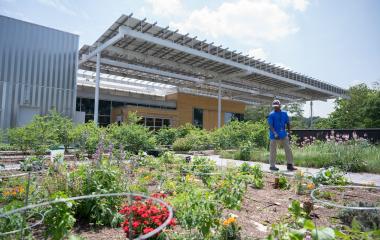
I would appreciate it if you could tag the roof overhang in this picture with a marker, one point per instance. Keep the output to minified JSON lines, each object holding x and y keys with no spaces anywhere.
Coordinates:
{"x":134,"y":48}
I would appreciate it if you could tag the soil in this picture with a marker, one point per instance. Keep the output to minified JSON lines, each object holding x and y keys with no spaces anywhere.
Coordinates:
{"x":260,"y":209}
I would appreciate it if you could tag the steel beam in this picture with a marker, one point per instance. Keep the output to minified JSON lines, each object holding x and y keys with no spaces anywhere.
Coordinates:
{"x":96,"y":107}
{"x":219,"y":103}
{"x":169,"y":44}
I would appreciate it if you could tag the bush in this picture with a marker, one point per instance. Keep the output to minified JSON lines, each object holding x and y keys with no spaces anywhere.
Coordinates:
{"x":86,"y":136}
{"x":166,"y":136}
{"x":42,"y":133}
{"x":245,"y":151}
{"x":92,"y":180}
{"x":195,"y":140}
{"x":133,"y":137}
{"x":233,"y":134}
{"x":59,"y":219}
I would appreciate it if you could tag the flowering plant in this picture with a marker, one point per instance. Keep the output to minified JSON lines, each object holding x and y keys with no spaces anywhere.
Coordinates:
{"x":146,"y":216}
{"x":230,"y":228}
{"x":15,"y":192}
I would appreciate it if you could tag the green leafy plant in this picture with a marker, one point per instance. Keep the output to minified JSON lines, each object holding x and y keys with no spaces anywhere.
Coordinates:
{"x":59,"y":219}
{"x":86,"y":137}
{"x":283,"y":183}
{"x":254,"y":173}
{"x":230,"y":190}
{"x":230,"y":230}
{"x":133,"y":137}
{"x":32,"y":163}
{"x":330,"y":176}
{"x":246,"y":151}
{"x":365,"y":220}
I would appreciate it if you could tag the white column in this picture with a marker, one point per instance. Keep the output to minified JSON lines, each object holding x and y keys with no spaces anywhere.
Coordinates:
{"x":96,"y":105}
{"x":311,"y":114}
{"x":220,"y":104}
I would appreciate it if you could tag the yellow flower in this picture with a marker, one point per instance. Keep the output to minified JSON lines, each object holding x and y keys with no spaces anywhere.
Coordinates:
{"x":310,"y":186}
{"x":229,"y":221}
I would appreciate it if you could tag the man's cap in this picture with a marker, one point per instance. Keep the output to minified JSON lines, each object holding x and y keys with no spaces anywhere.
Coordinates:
{"x":276,"y":103}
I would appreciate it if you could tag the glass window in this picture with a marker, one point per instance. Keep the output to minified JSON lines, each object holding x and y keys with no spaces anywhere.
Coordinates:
{"x":78,"y":105}
{"x":198,"y":117}
{"x":104,"y":107}
{"x":87,"y":105}
{"x":228,"y":117}
{"x":167,"y":122}
{"x":117,"y":104}
{"x":158,"y":122}
{"x":149,"y":122}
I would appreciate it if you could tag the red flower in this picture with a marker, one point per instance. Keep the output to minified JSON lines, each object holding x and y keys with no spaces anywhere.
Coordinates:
{"x":147,"y":230}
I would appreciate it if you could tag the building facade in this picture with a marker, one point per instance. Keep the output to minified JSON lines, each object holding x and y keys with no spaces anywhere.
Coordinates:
{"x":38,"y":67}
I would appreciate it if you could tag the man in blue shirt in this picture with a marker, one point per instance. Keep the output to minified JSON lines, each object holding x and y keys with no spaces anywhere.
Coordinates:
{"x":277,"y":120}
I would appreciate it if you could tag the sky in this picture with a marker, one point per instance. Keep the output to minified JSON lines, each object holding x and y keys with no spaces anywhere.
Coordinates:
{"x":337,"y":41}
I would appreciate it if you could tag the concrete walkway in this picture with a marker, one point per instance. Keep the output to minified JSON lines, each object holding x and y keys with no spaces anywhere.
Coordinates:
{"x":356,"y":178}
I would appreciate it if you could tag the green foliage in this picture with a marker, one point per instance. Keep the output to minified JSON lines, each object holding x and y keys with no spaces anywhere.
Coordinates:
{"x":255,"y":174}
{"x":360,"y":110}
{"x":203,"y":167}
{"x":197,"y":209}
{"x":195,"y":139}
{"x":230,"y":190}
{"x":283,"y":183}
{"x":365,"y":220}
{"x":102,"y":179}
{"x":245,"y":151}
{"x":62,"y":127}
{"x":32,"y":163}
{"x":257,"y":113}
{"x":14,"y":221}
{"x":166,"y":136}
{"x":38,"y":135}
{"x":233,"y":134}
{"x":330,"y":176}
{"x":87,"y":136}
{"x":59,"y":219}
{"x":42,"y":133}
{"x":133,"y":137}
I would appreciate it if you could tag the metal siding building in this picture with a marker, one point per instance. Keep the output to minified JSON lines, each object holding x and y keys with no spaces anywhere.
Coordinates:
{"x":38,"y":67}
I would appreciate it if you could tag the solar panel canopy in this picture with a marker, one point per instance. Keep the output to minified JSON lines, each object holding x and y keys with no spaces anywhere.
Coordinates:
{"x":137,"y":49}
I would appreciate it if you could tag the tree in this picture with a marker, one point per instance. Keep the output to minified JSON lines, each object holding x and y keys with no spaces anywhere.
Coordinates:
{"x":256,"y":113}
{"x":360,"y":110}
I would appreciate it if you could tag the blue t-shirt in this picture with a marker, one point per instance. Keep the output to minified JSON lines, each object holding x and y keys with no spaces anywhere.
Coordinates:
{"x":278,"y":121}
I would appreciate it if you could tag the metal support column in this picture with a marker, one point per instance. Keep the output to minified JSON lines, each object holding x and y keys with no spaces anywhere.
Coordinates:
{"x":96,"y":104}
{"x":311,"y":114}
{"x":219,"y":103}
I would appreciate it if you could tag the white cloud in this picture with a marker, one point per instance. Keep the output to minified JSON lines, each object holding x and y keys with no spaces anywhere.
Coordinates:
{"x":299,"y":5}
{"x":247,"y":20}
{"x":59,"y":5}
{"x":166,"y":7}
{"x":258,"y":53}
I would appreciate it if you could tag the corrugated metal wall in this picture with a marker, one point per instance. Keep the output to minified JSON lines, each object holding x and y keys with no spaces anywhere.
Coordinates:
{"x":38,"y":67}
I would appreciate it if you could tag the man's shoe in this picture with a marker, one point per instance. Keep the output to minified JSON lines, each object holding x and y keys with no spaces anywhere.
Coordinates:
{"x":273,"y":169}
{"x":291,"y":167}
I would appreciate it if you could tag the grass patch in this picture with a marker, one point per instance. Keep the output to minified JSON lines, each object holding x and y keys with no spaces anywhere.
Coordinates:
{"x":350,"y":156}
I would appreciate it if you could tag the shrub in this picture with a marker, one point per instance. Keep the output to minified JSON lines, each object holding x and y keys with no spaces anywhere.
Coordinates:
{"x":245,"y":151}
{"x":233,"y":134}
{"x":166,"y":136}
{"x":14,"y":221}
{"x":195,"y":140}
{"x":230,"y":190}
{"x":87,"y":136}
{"x":255,"y":174}
{"x":59,"y":219}
{"x":100,"y":179}
{"x":62,"y":127}
{"x":132,"y":136}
